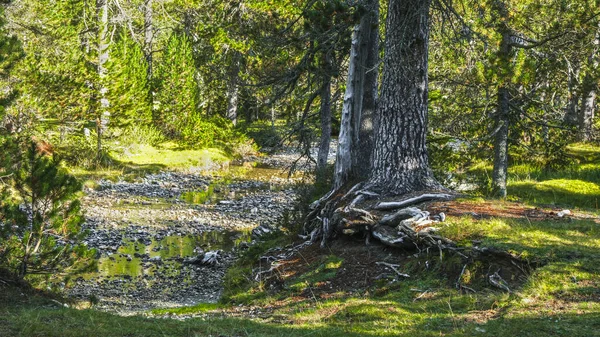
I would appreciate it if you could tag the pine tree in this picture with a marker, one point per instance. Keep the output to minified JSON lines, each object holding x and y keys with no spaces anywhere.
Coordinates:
{"x":176,"y":89}
{"x":42,"y":222}
{"x":128,"y":84}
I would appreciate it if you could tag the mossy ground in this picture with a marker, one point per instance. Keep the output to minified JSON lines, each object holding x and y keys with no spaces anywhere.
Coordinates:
{"x":143,"y":159}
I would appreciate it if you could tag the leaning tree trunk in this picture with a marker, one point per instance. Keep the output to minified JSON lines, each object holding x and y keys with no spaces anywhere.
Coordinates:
{"x":590,"y":86}
{"x":400,"y":161}
{"x":355,"y":142}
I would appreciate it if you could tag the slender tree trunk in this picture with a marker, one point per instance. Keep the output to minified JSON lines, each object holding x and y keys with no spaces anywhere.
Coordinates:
{"x":233,"y":88}
{"x":103,"y":55}
{"x":325,"y":115}
{"x":571,"y":113}
{"x":400,"y":160}
{"x":362,"y":152}
{"x":502,"y":120}
{"x":343,"y":161}
{"x":355,"y":142}
{"x":589,"y":92}
{"x":499,"y":174}
{"x":148,"y":36}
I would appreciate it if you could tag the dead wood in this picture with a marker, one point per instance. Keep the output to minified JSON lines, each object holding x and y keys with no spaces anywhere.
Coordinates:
{"x":394,"y":268}
{"x":386,"y":206}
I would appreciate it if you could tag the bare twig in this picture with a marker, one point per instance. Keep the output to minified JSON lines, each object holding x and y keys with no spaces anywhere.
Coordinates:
{"x":393,"y":267}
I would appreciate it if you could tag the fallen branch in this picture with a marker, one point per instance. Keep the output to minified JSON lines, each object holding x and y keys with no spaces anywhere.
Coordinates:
{"x":384,"y":206}
{"x":499,"y":282}
{"x":393,"y":267}
{"x":422,"y":294}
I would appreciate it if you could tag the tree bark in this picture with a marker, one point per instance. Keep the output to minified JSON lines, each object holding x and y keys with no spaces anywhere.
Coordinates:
{"x":103,"y":56}
{"x":355,"y":143}
{"x":325,"y":115}
{"x":589,"y":93}
{"x":502,"y":120}
{"x":400,"y":160}
{"x":571,"y":112}
{"x":362,"y":152}
{"x":343,"y":161}
{"x":148,"y":36}
{"x":233,"y":87}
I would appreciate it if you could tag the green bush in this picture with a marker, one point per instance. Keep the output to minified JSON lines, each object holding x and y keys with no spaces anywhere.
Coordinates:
{"x":263,"y":134}
{"x":217,"y":132}
{"x":142,"y":134}
{"x":79,"y":150}
{"x":41,"y":215}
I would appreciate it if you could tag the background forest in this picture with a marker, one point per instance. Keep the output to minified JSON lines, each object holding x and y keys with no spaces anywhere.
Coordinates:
{"x":99,"y":94}
{"x":94,"y":77}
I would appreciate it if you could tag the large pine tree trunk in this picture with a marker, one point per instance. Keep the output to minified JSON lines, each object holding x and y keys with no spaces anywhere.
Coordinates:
{"x":400,"y":161}
{"x":589,"y":88}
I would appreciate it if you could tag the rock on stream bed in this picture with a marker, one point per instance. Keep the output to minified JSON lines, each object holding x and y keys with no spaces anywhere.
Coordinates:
{"x":144,"y":230}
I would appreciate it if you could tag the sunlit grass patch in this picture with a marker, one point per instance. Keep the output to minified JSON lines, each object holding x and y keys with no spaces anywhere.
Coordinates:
{"x":172,"y":157}
{"x":585,"y":152}
{"x":540,"y":240}
{"x":563,"y":192}
{"x":195,"y":309}
{"x":147,"y":159}
{"x":577,"y":281}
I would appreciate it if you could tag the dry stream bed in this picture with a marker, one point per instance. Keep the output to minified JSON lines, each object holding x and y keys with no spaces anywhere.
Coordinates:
{"x":145,"y":230}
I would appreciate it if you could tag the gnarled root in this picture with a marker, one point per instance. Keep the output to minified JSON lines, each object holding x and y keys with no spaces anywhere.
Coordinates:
{"x":350,"y":214}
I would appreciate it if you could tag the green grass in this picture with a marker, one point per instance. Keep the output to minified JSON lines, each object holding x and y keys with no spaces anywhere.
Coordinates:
{"x":577,"y":185}
{"x":141,"y":160}
{"x":321,"y":271}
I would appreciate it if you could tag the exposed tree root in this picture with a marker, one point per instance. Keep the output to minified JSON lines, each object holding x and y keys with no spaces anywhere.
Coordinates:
{"x":396,"y":224}
{"x":353,"y":213}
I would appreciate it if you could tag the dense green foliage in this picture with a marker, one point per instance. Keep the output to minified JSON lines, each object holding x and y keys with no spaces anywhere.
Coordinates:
{"x":41,"y":216}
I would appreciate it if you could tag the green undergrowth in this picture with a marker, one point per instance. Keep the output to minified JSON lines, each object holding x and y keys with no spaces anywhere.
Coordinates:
{"x":576,"y":184}
{"x":555,"y":291}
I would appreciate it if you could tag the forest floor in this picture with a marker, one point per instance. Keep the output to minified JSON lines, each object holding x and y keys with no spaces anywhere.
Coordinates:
{"x":343,"y":291}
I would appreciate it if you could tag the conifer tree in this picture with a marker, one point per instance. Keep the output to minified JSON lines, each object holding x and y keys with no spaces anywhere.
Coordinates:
{"x":128,"y":83}
{"x":177,"y":90}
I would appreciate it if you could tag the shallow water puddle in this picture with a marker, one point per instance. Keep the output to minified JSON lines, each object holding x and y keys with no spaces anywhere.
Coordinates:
{"x":221,"y":189}
{"x":136,"y":259}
